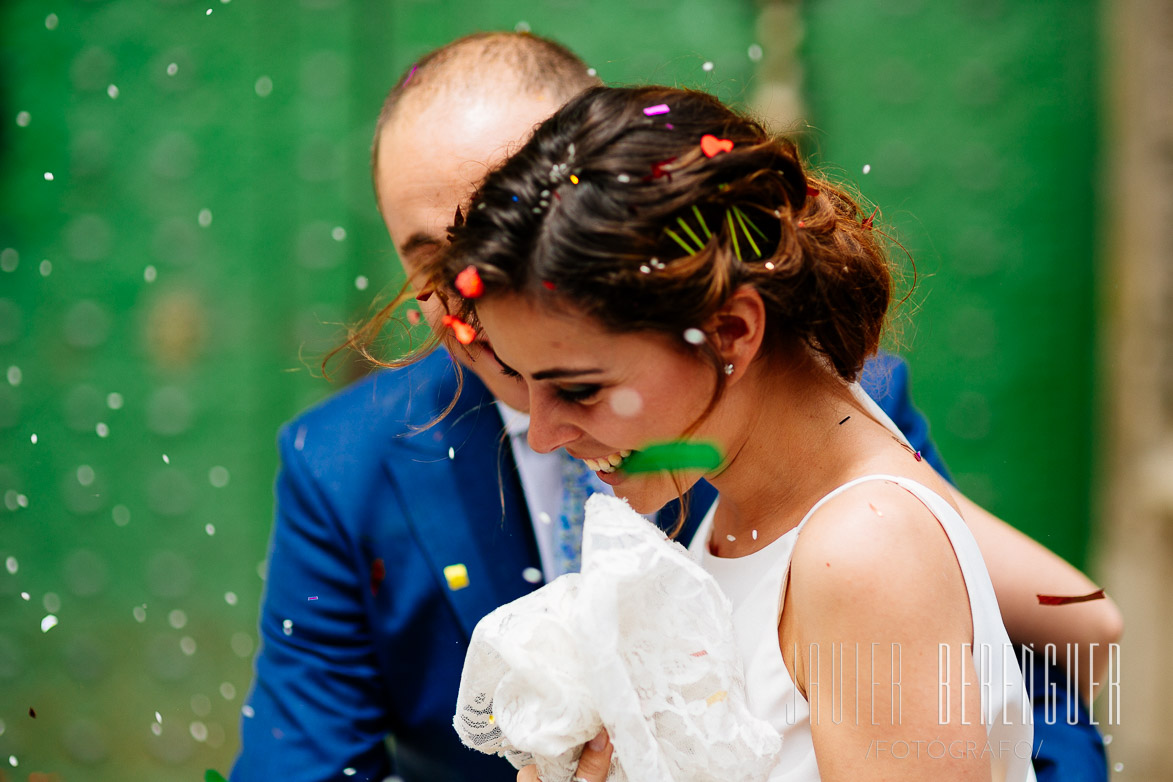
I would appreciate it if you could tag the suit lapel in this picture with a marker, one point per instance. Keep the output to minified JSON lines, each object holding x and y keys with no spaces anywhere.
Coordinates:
{"x":463,"y":502}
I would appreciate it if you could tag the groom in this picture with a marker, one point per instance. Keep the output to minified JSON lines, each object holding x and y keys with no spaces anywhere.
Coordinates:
{"x":391,"y":539}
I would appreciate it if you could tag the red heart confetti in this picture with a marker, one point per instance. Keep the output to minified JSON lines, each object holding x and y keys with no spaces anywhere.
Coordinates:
{"x":1062,"y":600}
{"x":547,"y":285}
{"x":868,"y":222}
{"x":469,"y":283}
{"x":463,"y":332}
{"x":713,"y":146}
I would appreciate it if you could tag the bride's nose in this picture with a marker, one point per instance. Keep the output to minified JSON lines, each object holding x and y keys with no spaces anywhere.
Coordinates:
{"x":549,"y":426}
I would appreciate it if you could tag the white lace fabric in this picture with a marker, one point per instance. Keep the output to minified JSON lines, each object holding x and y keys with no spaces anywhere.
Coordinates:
{"x":640,"y":642}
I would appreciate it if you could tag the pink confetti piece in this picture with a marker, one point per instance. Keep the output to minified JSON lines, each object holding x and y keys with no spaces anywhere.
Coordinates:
{"x":659,"y":108}
{"x":315,"y":597}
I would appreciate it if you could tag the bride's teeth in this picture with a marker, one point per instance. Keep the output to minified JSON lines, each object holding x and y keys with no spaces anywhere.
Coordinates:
{"x":624,"y":454}
{"x":592,"y":463}
{"x":615,"y":459}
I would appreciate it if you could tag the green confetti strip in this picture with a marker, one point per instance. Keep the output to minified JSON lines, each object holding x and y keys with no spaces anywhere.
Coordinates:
{"x":212,"y":775}
{"x":673,"y":456}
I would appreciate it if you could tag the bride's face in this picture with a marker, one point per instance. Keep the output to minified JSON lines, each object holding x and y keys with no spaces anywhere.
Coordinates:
{"x":599,"y":394}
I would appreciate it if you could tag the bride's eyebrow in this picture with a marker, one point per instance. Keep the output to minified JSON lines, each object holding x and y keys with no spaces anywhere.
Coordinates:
{"x":555,"y":374}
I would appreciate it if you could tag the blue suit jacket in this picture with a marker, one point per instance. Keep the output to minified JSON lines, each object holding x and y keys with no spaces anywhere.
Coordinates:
{"x":361,"y":637}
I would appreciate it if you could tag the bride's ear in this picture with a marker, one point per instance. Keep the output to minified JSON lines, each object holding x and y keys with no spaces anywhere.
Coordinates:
{"x":738,"y":329}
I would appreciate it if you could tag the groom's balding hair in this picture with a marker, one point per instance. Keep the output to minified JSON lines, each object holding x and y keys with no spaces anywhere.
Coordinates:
{"x":523,"y":63}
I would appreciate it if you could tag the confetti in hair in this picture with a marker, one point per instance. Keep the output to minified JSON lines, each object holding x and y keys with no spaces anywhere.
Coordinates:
{"x":1062,"y":600}
{"x":463,"y":332}
{"x":469,"y":283}
{"x":410,"y":74}
{"x":712,"y":146}
{"x":659,"y":108}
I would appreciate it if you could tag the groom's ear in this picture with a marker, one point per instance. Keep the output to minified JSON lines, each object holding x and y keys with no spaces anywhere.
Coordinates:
{"x":738,"y":329}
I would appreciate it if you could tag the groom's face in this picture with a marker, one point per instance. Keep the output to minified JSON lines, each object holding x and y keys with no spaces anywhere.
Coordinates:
{"x":433,"y":153}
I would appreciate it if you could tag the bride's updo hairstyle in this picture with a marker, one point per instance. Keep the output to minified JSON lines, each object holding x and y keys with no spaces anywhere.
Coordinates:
{"x":647,"y":207}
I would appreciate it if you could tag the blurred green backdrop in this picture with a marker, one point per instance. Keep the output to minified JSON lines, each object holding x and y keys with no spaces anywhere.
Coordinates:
{"x":186,"y":214}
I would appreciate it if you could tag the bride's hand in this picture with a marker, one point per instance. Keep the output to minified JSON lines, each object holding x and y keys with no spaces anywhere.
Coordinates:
{"x":593,"y":764}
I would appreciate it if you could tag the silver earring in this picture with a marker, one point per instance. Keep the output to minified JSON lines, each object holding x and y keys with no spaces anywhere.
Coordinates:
{"x":728,"y":369}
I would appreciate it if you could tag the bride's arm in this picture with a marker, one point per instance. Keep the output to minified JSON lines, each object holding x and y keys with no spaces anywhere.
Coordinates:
{"x":890,"y":587}
{"x":1021,"y":570}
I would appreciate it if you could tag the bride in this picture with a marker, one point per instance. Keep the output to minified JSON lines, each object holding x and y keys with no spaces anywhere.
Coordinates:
{"x":658,"y":268}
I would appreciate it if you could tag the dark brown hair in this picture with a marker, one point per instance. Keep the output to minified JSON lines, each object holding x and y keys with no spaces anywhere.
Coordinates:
{"x":624,"y":216}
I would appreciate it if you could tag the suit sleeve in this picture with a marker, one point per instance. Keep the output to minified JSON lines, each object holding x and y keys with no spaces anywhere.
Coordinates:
{"x":315,"y":709}
{"x":885,"y":378}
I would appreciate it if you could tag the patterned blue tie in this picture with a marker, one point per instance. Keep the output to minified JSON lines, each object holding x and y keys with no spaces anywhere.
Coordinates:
{"x":578,"y":483}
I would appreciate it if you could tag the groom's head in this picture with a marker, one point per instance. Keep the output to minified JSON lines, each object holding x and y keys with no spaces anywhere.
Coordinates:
{"x":455,"y":114}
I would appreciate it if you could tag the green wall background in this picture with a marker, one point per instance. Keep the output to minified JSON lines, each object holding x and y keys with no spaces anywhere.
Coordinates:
{"x":165,"y":296}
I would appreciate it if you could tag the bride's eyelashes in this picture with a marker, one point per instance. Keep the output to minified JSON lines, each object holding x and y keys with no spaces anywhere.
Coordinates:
{"x":578,"y":393}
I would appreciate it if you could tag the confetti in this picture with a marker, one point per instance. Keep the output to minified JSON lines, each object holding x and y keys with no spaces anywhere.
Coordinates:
{"x":1061,"y":600}
{"x":918,"y":456}
{"x":811,"y":192}
{"x":660,"y":169}
{"x":694,"y":336}
{"x":845,"y":420}
{"x":456,"y":576}
{"x":230,"y":598}
{"x":410,"y":74}
{"x":112,"y":91}
{"x":378,"y":573}
{"x":708,"y":66}
{"x":544,"y":517}
{"x":626,"y":402}
{"x":451,"y":452}
{"x":51,"y":22}
{"x":573,"y":180}
{"x":48,"y":176}
{"x":867,"y":167}
{"x":679,"y":455}
{"x":731,"y":538}
{"x":338,"y":234}
{"x":287,"y":627}
{"x":172,"y":69}
{"x":32,"y":712}
{"x":701,"y":653}
{"x":754,"y":534}
{"x":315,"y":597}
{"x":102,"y":430}
{"x":11,"y":565}
{"x":46,"y":268}
{"x":867,"y":223}
{"x":166,"y":459}
{"x":713,"y":146}
{"x":669,"y":126}
{"x":348,"y":771}
{"x":469,"y":283}
{"x":248,"y":711}
{"x":361,"y":282}
{"x":755,"y":52}
{"x":876,"y":510}
{"x":413,"y":317}
{"x":547,"y":285}
{"x":12,"y":761}
{"x":204,"y":218}
{"x":464,"y":333}
{"x":212,"y":775}
{"x":150,"y":274}
{"x":659,"y":108}
{"x":532,"y":575}
{"x":48,"y":623}
{"x":25,"y":596}
{"x":158,"y":718}
{"x":716,"y":697}
{"x":623,"y":178}
{"x":210,"y":529}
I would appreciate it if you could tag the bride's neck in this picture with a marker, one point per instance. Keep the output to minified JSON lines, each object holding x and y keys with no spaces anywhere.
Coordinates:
{"x":789,"y":448}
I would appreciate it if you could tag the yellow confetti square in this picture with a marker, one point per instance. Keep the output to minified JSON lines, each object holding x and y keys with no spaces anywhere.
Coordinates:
{"x":457,"y":576}
{"x":716,"y":697}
